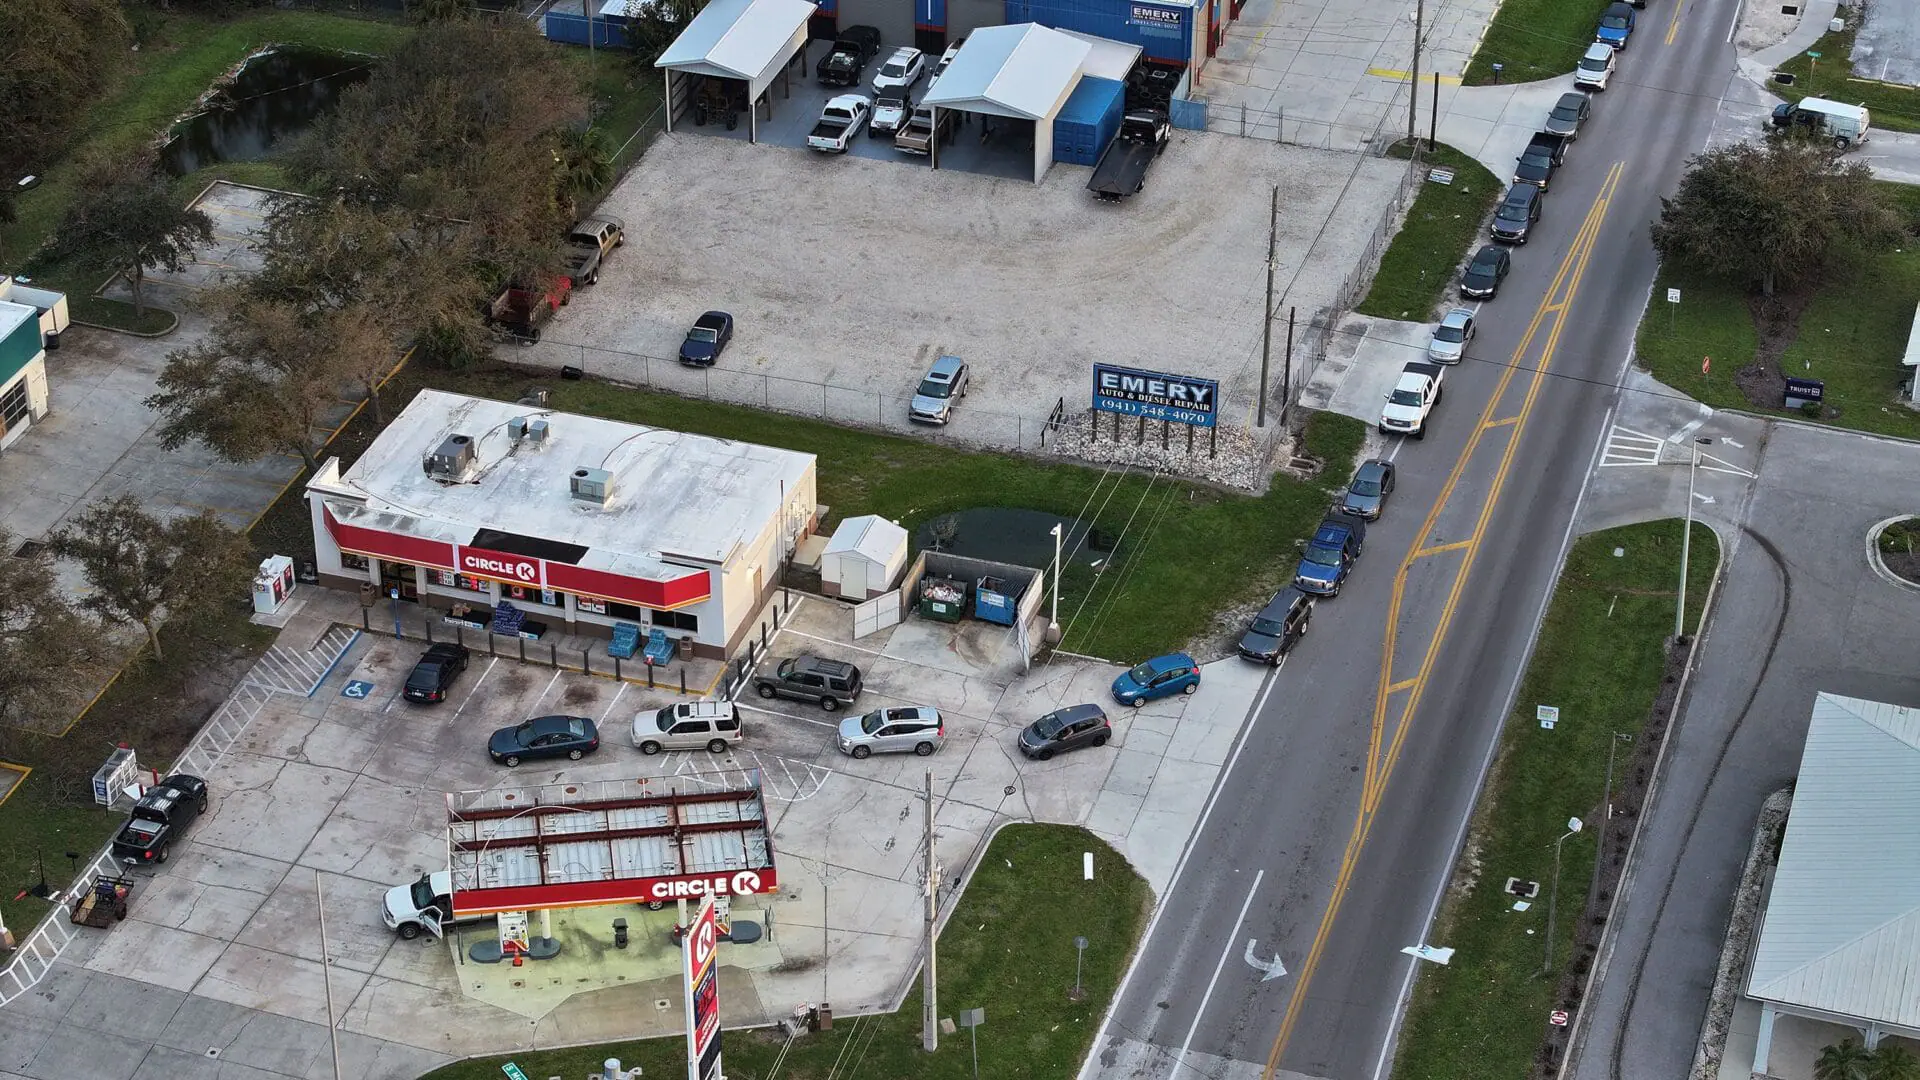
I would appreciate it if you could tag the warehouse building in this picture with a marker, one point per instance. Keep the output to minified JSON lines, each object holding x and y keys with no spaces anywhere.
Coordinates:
{"x":471,"y":505}
{"x":1179,"y":33}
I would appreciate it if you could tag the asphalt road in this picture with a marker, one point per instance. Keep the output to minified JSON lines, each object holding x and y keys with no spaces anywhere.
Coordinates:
{"x":1336,"y":827}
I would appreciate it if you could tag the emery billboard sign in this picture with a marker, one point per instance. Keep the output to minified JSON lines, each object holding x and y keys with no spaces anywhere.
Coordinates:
{"x":702,"y":970}
{"x":1180,"y":399}
{"x":1154,"y":15}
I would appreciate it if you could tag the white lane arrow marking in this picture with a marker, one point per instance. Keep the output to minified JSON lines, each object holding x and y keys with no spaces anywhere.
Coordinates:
{"x":1730,"y":442}
{"x":1703,"y":497}
{"x":1268,"y":969}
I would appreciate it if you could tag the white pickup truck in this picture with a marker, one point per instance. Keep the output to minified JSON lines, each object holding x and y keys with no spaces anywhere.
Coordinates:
{"x":1412,"y":399}
{"x":839,"y":122}
{"x":426,"y":904}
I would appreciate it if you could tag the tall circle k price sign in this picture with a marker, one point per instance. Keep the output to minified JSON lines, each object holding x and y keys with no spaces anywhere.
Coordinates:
{"x":702,"y":970}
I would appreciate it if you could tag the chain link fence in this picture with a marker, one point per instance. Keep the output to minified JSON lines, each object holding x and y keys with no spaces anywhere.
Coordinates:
{"x":1277,"y":126}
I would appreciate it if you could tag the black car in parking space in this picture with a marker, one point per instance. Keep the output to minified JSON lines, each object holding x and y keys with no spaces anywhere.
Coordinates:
{"x":707,"y":340}
{"x":1278,"y":627}
{"x":1367,"y":495}
{"x":1485,"y":273}
{"x":572,"y":737}
{"x":435,"y":672}
{"x":1066,"y":729}
{"x":1518,"y":211}
{"x":1569,"y":115}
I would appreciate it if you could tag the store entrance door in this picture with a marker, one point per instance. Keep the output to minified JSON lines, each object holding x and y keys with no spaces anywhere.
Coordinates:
{"x":402,"y":576}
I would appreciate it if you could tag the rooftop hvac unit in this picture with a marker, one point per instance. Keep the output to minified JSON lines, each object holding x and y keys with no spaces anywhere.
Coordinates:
{"x":452,"y":459}
{"x":517,"y":428}
{"x":538,"y":430}
{"x":592,"y":485}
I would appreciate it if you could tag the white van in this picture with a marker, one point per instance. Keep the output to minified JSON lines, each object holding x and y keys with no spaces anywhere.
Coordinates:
{"x":689,"y":725}
{"x":1845,"y":124}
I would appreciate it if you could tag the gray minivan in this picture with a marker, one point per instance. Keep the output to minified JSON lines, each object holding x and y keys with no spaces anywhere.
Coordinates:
{"x":688,"y":725}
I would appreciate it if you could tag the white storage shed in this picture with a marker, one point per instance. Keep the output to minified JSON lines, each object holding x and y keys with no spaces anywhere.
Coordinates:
{"x":864,"y":558}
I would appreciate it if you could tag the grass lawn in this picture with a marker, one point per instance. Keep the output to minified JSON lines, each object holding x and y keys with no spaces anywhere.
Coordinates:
{"x":1851,"y":336}
{"x":1006,"y":949}
{"x":1599,"y":659}
{"x":1895,"y":107}
{"x":1189,"y":551}
{"x":1442,"y":224}
{"x":1538,"y":39}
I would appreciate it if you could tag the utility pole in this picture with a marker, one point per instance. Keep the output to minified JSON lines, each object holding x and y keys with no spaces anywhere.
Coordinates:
{"x":1433,"y":115}
{"x":1266,"y":312}
{"x":326,"y":971}
{"x":1413,"y":84}
{"x":930,"y":1007}
{"x":1286,"y":396}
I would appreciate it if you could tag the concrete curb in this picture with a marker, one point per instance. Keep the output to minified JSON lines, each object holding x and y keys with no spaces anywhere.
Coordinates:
{"x":131,"y":333}
{"x":1576,"y":1039}
{"x":1798,"y":422}
{"x":1741,"y":923}
{"x":1878,"y":563}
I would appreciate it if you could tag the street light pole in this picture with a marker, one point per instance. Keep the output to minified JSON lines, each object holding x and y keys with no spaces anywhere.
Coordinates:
{"x":1053,"y":620}
{"x":1553,"y":895}
{"x":1686,"y":543}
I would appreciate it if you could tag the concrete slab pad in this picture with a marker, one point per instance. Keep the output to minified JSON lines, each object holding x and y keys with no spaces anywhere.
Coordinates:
{"x":137,"y":1010}
{"x":76,"y":1051}
{"x":274,"y":982}
{"x":364,"y":1056}
{"x":53,"y":995}
{"x":278,"y":1044}
{"x":1132,"y":773}
{"x":269,"y":808}
{"x":157,"y":954}
{"x":1113,"y":815}
{"x":286,"y":923}
{"x":201,"y":1024}
{"x":22,"y":1037}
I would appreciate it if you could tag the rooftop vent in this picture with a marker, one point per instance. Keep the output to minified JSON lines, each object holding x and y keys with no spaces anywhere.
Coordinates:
{"x":517,"y":428}
{"x":452,"y":460}
{"x":591,"y":485}
{"x":538,"y":430}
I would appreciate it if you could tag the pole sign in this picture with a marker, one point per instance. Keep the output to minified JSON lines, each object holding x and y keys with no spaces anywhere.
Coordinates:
{"x":1179,"y":399}
{"x":700,"y":955}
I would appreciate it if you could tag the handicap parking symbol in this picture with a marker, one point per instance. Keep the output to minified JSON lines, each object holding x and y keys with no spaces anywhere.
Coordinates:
{"x":357,"y":688}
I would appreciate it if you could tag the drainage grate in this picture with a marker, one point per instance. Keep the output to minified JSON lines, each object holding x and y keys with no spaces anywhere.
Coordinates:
{"x":29,"y":548}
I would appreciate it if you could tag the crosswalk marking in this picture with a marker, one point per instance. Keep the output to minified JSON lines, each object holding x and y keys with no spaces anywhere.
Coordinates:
{"x":1628,"y":447}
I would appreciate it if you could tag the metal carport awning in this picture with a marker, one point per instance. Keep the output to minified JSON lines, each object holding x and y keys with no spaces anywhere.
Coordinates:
{"x":1024,"y":71}
{"x":750,"y":41}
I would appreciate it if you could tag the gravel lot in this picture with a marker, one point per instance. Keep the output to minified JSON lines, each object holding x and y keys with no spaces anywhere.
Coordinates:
{"x":854,"y":274}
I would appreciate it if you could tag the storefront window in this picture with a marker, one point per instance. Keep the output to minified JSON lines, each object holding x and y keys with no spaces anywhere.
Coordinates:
{"x":350,"y":561}
{"x":532,"y":594}
{"x":451,"y":580}
{"x":676,"y":620}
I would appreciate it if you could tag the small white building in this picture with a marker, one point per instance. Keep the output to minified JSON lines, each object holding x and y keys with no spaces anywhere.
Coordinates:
{"x":864,"y":558}
{"x":579,"y":522}
{"x":30,"y":320}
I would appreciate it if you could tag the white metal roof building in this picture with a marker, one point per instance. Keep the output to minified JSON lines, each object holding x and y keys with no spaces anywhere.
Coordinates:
{"x":863,"y":558}
{"x":1839,"y":939}
{"x":1021,"y":72}
{"x":751,"y":41}
{"x":591,"y":521}
{"x":1106,"y":58}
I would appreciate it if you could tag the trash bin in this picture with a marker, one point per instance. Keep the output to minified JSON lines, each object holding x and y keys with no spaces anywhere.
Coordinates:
{"x":53,"y":341}
{"x":686,"y":647}
{"x":369,"y":592}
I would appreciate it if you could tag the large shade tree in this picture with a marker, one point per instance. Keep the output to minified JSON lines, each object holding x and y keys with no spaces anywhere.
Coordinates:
{"x":126,"y":217}
{"x":53,"y":56}
{"x":1769,"y":216}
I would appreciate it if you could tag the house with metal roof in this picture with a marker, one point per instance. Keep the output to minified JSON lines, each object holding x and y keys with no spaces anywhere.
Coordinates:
{"x":1839,"y":939}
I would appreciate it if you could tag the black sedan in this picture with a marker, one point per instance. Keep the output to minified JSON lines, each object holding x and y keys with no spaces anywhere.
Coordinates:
{"x":1066,"y":729}
{"x":707,"y":340}
{"x":433,"y":675}
{"x":570,"y":737}
{"x":1367,"y":495}
{"x":1485,"y":273}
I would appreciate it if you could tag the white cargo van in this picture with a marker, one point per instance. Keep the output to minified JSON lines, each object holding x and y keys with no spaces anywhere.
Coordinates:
{"x":1846,"y":125}
{"x":689,"y":725}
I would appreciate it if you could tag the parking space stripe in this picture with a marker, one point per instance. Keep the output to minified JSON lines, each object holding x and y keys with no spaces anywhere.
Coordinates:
{"x":475,"y":691}
{"x":547,"y":690}
{"x":616,"y":700}
{"x":830,"y":641}
{"x":788,"y":716}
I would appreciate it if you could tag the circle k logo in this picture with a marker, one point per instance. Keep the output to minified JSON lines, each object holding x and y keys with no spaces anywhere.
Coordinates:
{"x":525,"y":571}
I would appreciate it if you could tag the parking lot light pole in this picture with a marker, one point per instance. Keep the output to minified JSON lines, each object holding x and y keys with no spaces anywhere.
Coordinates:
{"x":1053,"y":620}
{"x":1553,"y":895}
{"x":1686,"y":542}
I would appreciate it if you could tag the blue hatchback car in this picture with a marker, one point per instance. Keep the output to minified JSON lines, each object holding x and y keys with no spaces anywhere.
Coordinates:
{"x":1616,"y":25}
{"x":1330,"y":555}
{"x":1162,"y":676}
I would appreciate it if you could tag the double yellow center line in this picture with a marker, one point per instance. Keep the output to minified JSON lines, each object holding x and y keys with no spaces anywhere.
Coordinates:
{"x":1384,"y":752}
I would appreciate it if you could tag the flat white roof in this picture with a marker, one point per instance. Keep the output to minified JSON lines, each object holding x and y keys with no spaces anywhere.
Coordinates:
{"x":1022,"y":71}
{"x":1841,"y":932}
{"x":673,"y":495}
{"x":1106,"y":58}
{"x":740,"y":39}
{"x":870,"y":535}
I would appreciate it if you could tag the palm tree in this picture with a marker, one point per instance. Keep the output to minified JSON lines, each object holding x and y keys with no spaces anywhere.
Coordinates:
{"x":583,"y":164}
{"x":1845,"y":1060}
{"x":1891,"y":1061}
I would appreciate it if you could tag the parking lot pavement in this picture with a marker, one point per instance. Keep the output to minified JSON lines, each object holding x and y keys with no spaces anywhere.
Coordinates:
{"x":237,"y":211}
{"x":342,"y":796}
{"x":877,"y":267}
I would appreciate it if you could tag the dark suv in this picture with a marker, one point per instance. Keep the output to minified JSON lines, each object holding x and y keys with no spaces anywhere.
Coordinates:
{"x":433,"y":676}
{"x":1280,"y":624}
{"x":1517,"y":213}
{"x":831,"y":683}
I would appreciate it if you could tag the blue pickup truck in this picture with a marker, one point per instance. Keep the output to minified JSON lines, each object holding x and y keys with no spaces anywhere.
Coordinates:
{"x":1330,"y":556}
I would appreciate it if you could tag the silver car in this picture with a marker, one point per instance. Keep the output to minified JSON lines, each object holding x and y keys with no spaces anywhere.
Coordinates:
{"x":915,"y":728}
{"x":946,"y":383}
{"x":1450,"y":338}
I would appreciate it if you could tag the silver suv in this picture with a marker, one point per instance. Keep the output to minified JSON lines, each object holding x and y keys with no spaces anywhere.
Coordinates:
{"x":945,"y":384}
{"x":893,"y":731}
{"x":830,"y":683}
{"x":688,"y":725}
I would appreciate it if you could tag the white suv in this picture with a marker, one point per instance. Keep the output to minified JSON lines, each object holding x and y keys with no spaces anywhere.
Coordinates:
{"x":1596,"y":67}
{"x":690,"y":725}
{"x":903,"y":69}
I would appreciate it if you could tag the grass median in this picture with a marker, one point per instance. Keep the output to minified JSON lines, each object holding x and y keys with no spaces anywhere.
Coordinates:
{"x":1895,"y":106}
{"x":1008,"y":949}
{"x":1600,"y":659}
{"x":1538,"y":39}
{"x":1442,"y":224}
{"x":1850,"y":334}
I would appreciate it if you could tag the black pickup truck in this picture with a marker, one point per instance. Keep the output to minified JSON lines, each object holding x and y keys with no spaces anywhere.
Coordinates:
{"x":1539,"y":160}
{"x":1122,"y":169}
{"x":847,"y":60}
{"x":159,"y":818}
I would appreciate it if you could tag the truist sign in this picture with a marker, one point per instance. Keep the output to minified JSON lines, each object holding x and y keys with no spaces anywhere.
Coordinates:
{"x":493,"y":564}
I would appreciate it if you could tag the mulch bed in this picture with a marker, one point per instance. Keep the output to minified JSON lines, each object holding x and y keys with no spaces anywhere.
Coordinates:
{"x":1776,"y":319}
{"x":1633,"y":774}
